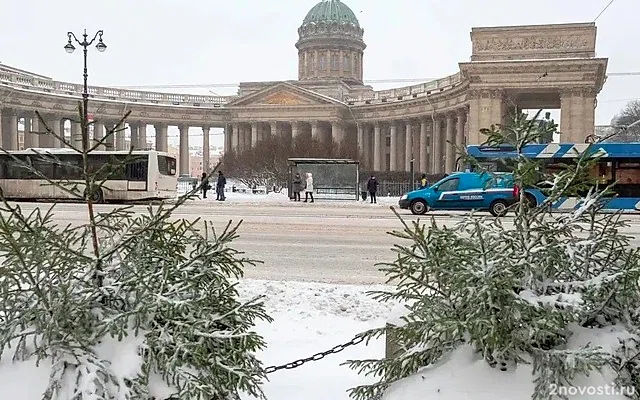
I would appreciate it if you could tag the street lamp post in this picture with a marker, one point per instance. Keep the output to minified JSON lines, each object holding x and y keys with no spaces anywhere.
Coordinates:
{"x":70,"y":48}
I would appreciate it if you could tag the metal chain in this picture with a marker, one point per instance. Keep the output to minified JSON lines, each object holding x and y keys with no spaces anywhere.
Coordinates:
{"x":318,"y":356}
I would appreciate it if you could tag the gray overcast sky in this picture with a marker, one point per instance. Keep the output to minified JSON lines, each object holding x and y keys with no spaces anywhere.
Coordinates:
{"x":160,"y":42}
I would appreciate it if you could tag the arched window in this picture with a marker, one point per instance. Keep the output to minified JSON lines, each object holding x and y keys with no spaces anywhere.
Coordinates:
{"x":323,"y":62}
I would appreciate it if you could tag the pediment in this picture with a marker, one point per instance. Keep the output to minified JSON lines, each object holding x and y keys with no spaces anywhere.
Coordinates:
{"x":284,"y":94}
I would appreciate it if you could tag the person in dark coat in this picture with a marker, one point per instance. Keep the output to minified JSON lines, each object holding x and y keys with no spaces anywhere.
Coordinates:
{"x":372,"y":188}
{"x":220,"y":186}
{"x":297,"y":187}
{"x":204,"y":186}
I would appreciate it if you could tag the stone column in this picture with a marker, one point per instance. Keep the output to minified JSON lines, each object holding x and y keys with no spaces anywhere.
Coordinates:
{"x":486,"y":107}
{"x":241,"y":132}
{"x":98,"y":134}
{"x":133,"y":138}
{"x":184,"y":150}
{"x":588,"y":115}
{"x":315,"y":131}
{"x":337,"y":132}
{"x":450,"y":150}
{"x":436,"y":146}
{"x":76,"y":135}
{"x":393,"y":163}
{"x":227,"y":138}
{"x":162,"y":140}
{"x":110,"y":140}
{"x":46,"y":140}
{"x":9,"y":130}
{"x":34,"y":135}
{"x":366,"y":145}
{"x":408,"y":146}
{"x":26,"y":134}
{"x":119,"y":135}
{"x":377,"y":147}
{"x":460,"y":128}
{"x":205,"y":149}
{"x":423,"y":147}
{"x":274,"y":128}
{"x":254,"y":134}
{"x":235,"y":137}
{"x":142,"y":135}
{"x":361,"y":153}
{"x":577,"y":115}
{"x":1,"y":129}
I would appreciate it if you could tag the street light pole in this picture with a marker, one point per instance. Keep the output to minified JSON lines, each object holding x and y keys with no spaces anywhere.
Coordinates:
{"x":70,"y":48}
{"x":90,"y":190}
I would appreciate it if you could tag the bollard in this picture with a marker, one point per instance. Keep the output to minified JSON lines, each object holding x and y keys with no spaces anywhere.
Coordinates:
{"x":392,"y":348}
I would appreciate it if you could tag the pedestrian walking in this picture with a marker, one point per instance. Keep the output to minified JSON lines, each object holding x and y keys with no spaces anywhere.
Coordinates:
{"x":220,"y":183}
{"x":296,"y":186}
{"x":308,"y":189}
{"x":372,"y":188}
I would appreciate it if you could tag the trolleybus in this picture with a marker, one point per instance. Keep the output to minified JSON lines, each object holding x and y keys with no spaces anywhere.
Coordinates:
{"x":618,"y":162}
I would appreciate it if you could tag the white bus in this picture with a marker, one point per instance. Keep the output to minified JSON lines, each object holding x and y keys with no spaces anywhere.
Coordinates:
{"x":139,"y":175}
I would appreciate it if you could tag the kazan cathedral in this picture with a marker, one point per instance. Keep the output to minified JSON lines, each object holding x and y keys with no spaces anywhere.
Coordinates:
{"x":510,"y":68}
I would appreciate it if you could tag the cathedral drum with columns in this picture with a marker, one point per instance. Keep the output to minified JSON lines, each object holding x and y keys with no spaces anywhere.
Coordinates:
{"x":511,"y":67}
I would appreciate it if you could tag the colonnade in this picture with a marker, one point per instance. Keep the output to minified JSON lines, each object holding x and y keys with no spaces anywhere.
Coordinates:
{"x":33,"y":135}
{"x":428,"y":142}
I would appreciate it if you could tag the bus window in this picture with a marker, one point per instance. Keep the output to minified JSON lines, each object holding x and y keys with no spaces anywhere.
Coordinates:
{"x":136,"y":170}
{"x":43,"y":166}
{"x":167,"y":165}
{"x":68,"y":167}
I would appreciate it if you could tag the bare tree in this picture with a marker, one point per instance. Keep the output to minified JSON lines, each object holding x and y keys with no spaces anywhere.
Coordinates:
{"x":627,"y":116}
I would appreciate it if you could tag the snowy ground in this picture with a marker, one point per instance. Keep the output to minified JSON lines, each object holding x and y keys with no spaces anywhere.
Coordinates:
{"x":310,"y":318}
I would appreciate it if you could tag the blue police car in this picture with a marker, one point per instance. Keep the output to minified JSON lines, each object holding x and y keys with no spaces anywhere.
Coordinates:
{"x":481,"y":191}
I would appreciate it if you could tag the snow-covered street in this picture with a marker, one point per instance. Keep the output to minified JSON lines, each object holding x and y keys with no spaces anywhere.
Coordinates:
{"x":327,"y":241}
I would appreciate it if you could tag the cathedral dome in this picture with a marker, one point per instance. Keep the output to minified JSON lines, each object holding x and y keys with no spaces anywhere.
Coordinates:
{"x":331,"y":11}
{"x":330,"y":44}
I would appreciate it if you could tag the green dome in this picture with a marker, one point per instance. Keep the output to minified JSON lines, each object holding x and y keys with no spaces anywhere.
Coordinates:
{"x":331,"y":11}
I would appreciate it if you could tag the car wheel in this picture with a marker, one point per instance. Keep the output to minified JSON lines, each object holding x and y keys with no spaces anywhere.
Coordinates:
{"x":419,"y":207}
{"x":498,"y":208}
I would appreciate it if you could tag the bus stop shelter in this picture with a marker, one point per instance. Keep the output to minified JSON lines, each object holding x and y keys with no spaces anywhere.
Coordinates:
{"x":333,"y":179}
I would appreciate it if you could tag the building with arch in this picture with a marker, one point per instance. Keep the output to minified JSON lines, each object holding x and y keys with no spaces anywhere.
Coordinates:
{"x":511,"y":67}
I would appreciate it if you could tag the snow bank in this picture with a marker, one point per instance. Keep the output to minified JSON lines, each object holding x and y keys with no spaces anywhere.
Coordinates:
{"x":25,"y":380}
{"x":308,"y":318}
{"x":463,"y":374}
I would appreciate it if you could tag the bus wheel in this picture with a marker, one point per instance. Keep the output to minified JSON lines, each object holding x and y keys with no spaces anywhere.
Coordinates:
{"x":97,"y":196}
{"x":498,"y":208}
{"x":419,"y":207}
